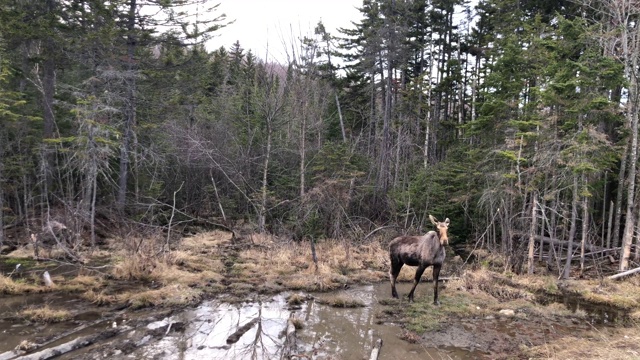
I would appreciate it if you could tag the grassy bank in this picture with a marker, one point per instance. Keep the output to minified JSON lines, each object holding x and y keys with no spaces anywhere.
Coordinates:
{"x":142,"y":272}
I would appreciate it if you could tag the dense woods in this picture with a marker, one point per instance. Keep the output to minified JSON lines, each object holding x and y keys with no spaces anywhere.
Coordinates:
{"x":518,"y":120}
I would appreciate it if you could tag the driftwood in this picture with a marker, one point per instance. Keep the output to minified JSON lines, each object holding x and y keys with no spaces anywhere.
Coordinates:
{"x":622,"y":274}
{"x":67,"y":347}
{"x":376,"y":350}
{"x":289,"y":341}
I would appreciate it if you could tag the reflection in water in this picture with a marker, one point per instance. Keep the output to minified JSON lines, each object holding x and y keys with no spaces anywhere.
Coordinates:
{"x":213,"y":323}
{"x":328,"y":333}
{"x":336,"y":333}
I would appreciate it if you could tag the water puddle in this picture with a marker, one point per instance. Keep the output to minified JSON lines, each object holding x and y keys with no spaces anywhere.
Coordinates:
{"x":255,"y":329}
{"x":596,"y":314}
{"x":327,"y":333}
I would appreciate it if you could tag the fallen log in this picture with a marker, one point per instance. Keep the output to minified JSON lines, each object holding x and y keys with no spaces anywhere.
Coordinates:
{"x":233,"y":338}
{"x":376,"y":350}
{"x":67,"y":347}
{"x":548,"y":240}
{"x":289,"y":341}
{"x":625,"y":273}
{"x":378,"y":229}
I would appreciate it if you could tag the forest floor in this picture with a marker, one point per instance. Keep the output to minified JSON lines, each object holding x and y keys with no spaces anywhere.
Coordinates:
{"x":587,"y":318}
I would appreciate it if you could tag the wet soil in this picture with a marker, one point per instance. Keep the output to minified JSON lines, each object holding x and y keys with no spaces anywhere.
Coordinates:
{"x":225,"y":328}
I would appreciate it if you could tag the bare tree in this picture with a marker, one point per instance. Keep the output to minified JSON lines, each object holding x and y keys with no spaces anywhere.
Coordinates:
{"x":622,"y":39}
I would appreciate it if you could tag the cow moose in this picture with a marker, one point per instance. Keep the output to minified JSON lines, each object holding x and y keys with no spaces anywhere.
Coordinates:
{"x":421,"y":251}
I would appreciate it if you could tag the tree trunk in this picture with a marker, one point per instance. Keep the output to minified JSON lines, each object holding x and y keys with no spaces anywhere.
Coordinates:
{"x":303,"y":135}
{"x":628,"y":272}
{"x":262,"y":213}
{"x":572,"y":230}
{"x":130,"y":108}
{"x":619,"y":198}
{"x":48,"y":92}
{"x":94,"y":190}
{"x":585,"y":229}
{"x":385,"y":146}
{"x":631,"y":178}
{"x":532,"y":234}
{"x":609,"y":224}
{"x":344,"y":133}
{"x":1,"y":199}
{"x":427,"y":132}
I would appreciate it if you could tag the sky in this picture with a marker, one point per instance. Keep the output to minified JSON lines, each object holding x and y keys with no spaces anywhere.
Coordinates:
{"x":263,"y":25}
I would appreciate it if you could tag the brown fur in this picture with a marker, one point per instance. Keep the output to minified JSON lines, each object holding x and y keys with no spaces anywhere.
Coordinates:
{"x":421,"y":251}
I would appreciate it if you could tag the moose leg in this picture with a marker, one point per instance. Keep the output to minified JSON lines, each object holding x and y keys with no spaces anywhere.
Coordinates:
{"x":436,"y":275}
{"x":416,"y":280}
{"x":394,"y":271}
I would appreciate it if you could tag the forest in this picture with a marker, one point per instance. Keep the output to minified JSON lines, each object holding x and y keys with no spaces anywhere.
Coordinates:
{"x":516,"y":119}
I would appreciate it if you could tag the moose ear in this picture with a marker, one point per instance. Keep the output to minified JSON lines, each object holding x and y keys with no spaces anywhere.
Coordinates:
{"x":434,"y":221}
{"x":446,"y":221}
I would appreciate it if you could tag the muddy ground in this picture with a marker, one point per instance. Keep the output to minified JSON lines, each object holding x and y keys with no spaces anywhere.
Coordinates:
{"x":484,"y":313}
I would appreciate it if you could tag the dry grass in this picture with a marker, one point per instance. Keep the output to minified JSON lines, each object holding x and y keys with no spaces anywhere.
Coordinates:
{"x":206,"y":259}
{"x":296,"y":299}
{"x":291,"y":265}
{"x":621,"y":294}
{"x":547,"y":284}
{"x":166,"y":271}
{"x":99,"y":298}
{"x":340,"y":301}
{"x":204,"y":243}
{"x":8,"y":286}
{"x":23,"y":252}
{"x":195,"y":262}
{"x":135,"y":267}
{"x":80,"y":283}
{"x":616,"y":344}
{"x":173,"y":295}
{"x":45,"y":314}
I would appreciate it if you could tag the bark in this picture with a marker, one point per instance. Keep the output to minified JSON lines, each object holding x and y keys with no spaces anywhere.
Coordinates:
{"x":637,"y":227}
{"x":262,"y":213}
{"x":344,"y":134}
{"x":94,"y":190}
{"x":303,"y":135}
{"x":619,"y":198}
{"x":314,"y":257}
{"x":1,"y":203}
{"x":290,"y":341}
{"x":385,"y":148}
{"x":609,"y":224}
{"x":376,"y":350}
{"x":624,"y":14}
{"x":585,"y":228}
{"x":70,"y":346}
{"x":215,"y":191}
{"x":532,"y":235}
{"x":572,"y":230}
{"x":631,"y":181}
{"x":427,"y":132}
{"x":625,"y":273}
